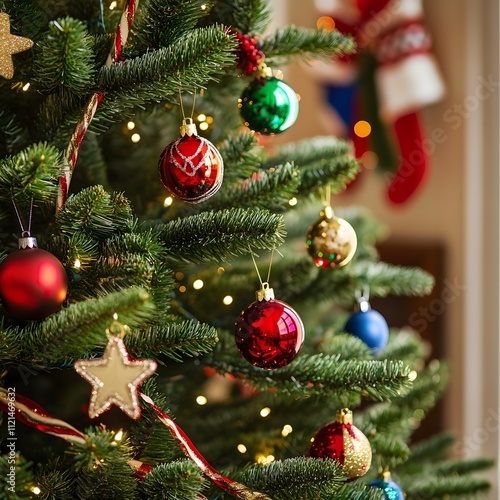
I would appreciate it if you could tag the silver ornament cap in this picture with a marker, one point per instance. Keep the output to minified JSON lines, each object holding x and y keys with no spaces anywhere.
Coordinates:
{"x":27,"y":241}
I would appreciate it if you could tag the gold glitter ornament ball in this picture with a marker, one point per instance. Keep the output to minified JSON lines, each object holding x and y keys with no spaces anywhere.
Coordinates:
{"x":331,"y":241}
{"x":345,"y":443}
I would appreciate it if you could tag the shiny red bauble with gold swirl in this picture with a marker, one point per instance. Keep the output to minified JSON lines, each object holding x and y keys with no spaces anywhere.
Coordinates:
{"x":191,"y":167}
{"x":33,"y":283}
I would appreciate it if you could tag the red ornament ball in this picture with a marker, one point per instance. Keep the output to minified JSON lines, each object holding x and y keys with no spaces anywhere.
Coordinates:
{"x":33,"y":284}
{"x":269,"y":333}
{"x":191,"y":167}
{"x":344,"y":443}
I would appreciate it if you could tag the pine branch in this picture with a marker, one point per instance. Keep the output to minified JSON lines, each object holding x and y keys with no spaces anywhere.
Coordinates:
{"x":346,"y":347}
{"x":306,"y":43}
{"x":215,"y":236}
{"x":161,"y":23}
{"x":102,"y":466}
{"x":242,"y":156}
{"x":322,"y":161}
{"x":172,"y":481}
{"x":429,"y":488}
{"x":12,"y":134}
{"x":96,"y":213}
{"x":246,"y":16}
{"x":77,"y":330}
{"x":175,"y":341}
{"x":311,"y":375}
{"x":270,"y":190}
{"x":198,"y":57}
{"x":31,"y":173}
{"x":435,"y":448}
{"x":10,"y":342}
{"x":64,"y":57}
{"x":57,"y":117}
{"x":28,"y":18}
{"x":22,"y":479}
{"x":151,"y":441}
{"x":460,"y":467}
{"x":389,"y":450}
{"x":301,"y":477}
{"x":131,"y":259}
{"x":405,"y":345}
{"x":301,"y":282}
{"x":92,"y":163}
{"x":386,"y":278}
{"x":55,"y":479}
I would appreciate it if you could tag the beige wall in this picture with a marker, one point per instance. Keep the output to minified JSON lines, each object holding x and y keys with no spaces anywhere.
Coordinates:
{"x":438,"y":212}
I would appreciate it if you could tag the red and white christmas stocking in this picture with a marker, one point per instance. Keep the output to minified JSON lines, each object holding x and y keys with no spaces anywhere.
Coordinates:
{"x":407,"y":76}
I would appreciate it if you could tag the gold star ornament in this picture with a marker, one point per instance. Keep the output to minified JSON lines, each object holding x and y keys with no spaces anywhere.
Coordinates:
{"x":10,"y":44}
{"x":115,"y":379}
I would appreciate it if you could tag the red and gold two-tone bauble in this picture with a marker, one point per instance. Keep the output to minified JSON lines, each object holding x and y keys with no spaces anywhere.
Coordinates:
{"x":191,"y":167}
{"x":269,"y":333}
{"x":344,"y":443}
{"x":33,"y":282}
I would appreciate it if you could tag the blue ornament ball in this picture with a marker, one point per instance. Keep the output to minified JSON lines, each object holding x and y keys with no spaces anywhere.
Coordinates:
{"x":369,"y":326}
{"x":391,"y":489}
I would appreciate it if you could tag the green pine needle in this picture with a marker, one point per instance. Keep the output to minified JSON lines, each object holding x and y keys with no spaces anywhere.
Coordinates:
{"x":300,"y":477}
{"x":246,"y":16}
{"x":95,"y":212}
{"x":270,"y":190}
{"x":308,"y":375}
{"x":198,"y":57}
{"x":102,"y":466}
{"x":31,"y":174}
{"x":306,"y":43}
{"x":173,"y":481}
{"x":431,"y":488}
{"x":64,"y":58}
{"x":77,"y":330}
{"x":216,"y":236}
{"x":175,"y":341}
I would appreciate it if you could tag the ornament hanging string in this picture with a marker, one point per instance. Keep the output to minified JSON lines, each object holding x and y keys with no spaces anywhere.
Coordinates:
{"x":23,"y":231}
{"x":327,"y":196}
{"x":71,"y":154}
{"x":182,"y":104}
{"x":270,"y":265}
{"x":33,"y":415}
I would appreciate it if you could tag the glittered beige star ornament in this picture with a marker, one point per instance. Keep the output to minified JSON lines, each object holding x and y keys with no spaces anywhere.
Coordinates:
{"x":10,"y":44}
{"x":115,"y":379}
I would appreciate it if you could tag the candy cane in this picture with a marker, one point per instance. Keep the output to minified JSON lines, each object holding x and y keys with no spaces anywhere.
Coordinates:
{"x":228,"y":485}
{"x":71,"y":154}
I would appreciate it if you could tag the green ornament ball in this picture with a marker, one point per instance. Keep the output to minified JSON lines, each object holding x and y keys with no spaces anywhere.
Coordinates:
{"x":268,"y":105}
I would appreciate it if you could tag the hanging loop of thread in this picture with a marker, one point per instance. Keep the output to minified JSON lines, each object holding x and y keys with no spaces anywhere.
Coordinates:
{"x":327,"y":193}
{"x":24,"y":232}
{"x":265,"y":283}
{"x":182,"y":104}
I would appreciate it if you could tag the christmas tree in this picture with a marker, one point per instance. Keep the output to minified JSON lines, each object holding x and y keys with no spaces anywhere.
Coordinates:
{"x":137,"y":362}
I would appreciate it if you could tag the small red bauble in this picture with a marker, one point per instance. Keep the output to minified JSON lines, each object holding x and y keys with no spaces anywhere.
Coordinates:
{"x":191,"y":167}
{"x":269,"y":333}
{"x":33,"y":283}
{"x":345,"y":443}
